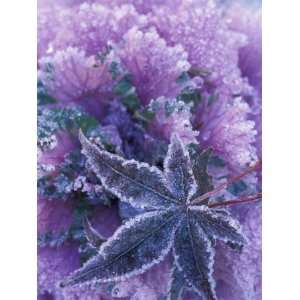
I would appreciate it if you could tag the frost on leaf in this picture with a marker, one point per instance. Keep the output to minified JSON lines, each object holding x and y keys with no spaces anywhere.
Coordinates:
{"x":93,"y":237}
{"x":134,"y":248}
{"x":133,"y":182}
{"x":194,"y":257}
{"x":219,"y":225}
{"x":178,"y":170}
{"x":145,"y":240}
{"x":176,"y":285}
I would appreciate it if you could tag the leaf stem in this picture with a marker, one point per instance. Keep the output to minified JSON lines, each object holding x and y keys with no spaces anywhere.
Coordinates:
{"x":238,"y":201}
{"x":224,"y":185}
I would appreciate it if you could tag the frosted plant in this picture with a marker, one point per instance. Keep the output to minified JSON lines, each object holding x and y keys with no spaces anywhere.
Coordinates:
{"x":146,"y":6}
{"x":71,"y":76}
{"x":154,"y":65}
{"x":178,"y":216}
{"x":171,"y":116}
{"x":247,"y":20}
{"x":89,"y":79}
{"x":214,"y":53}
{"x":239,"y":275}
{"x":46,"y":27}
{"x":225,"y":128}
{"x":89,"y":26}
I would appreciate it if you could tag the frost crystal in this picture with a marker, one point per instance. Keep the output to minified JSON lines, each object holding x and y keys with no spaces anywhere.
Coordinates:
{"x":247,"y":20}
{"x":92,"y":26}
{"x":136,"y":183}
{"x":226,"y":129}
{"x":239,"y":275}
{"x":155,"y":66}
{"x":214,"y":51}
{"x":172,"y":116}
{"x":71,"y":76}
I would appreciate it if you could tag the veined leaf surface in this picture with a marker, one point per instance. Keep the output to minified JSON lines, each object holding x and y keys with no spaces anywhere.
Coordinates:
{"x":134,"y":248}
{"x":134,"y":182}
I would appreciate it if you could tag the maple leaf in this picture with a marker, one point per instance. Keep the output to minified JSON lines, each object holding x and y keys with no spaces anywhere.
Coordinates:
{"x":175,"y":218}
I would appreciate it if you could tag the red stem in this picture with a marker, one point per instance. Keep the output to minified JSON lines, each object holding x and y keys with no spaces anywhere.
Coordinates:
{"x":238,"y":201}
{"x":224,"y":185}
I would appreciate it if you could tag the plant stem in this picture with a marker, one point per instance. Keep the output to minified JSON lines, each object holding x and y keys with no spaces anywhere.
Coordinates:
{"x":224,"y":185}
{"x":238,"y":201}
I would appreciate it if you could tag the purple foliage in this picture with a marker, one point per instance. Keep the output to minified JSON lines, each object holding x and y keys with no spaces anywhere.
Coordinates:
{"x":154,"y":65}
{"x":171,"y":116}
{"x":85,"y":48}
{"x":225,"y":127}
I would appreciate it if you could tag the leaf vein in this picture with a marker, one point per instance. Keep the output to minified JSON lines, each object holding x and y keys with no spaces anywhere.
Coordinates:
{"x":128,"y":250}
{"x":137,"y":182}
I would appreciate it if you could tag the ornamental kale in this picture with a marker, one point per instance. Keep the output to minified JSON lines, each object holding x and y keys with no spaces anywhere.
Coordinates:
{"x":149,"y":83}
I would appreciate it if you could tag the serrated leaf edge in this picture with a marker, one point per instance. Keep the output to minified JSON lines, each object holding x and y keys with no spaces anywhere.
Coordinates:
{"x":175,"y":138}
{"x":124,"y":162}
{"x":180,"y":295}
{"x":135,"y":272}
{"x":210,"y":266}
{"x":226,"y":215}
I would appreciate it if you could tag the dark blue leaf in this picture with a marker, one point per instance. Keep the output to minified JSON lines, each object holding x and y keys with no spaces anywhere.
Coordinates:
{"x":176,"y":285}
{"x":194,"y":257}
{"x":199,"y":165}
{"x":218,"y":225}
{"x":134,"y":248}
{"x":178,"y":170}
{"x":131,"y":181}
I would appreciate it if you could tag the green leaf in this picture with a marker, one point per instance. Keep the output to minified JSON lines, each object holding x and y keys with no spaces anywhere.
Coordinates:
{"x":123,"y":86}
{"x":131,"y":102}
{"x":199,"y":165}
{"x":189,"y":95}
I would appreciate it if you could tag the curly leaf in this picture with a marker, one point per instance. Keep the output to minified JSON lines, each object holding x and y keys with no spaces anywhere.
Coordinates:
{"x":194,"y":257}
{"x":178,"y":170}
{"x":133,"y":182}
{"x":134,"y":248}
{"x":218,"y":224}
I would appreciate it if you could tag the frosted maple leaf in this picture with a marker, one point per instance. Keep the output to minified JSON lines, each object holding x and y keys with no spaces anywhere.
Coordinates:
{"x":178,"y":215}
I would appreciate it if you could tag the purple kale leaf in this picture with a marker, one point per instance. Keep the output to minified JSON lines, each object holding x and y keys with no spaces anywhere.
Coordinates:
{"x":174,"y":219}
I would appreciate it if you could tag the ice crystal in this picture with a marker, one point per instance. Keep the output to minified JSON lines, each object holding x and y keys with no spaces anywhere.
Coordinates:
{"x":239,"y":275}
{"x":215,"y":50}
{"x":226,"y":129}
{"x":92,"y":26}
{"x":146,"y":6}
{"x":71,"y":76}
{"x":154,"y":65}
{"x":172,"y":116}
{"x":247,"y":20}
